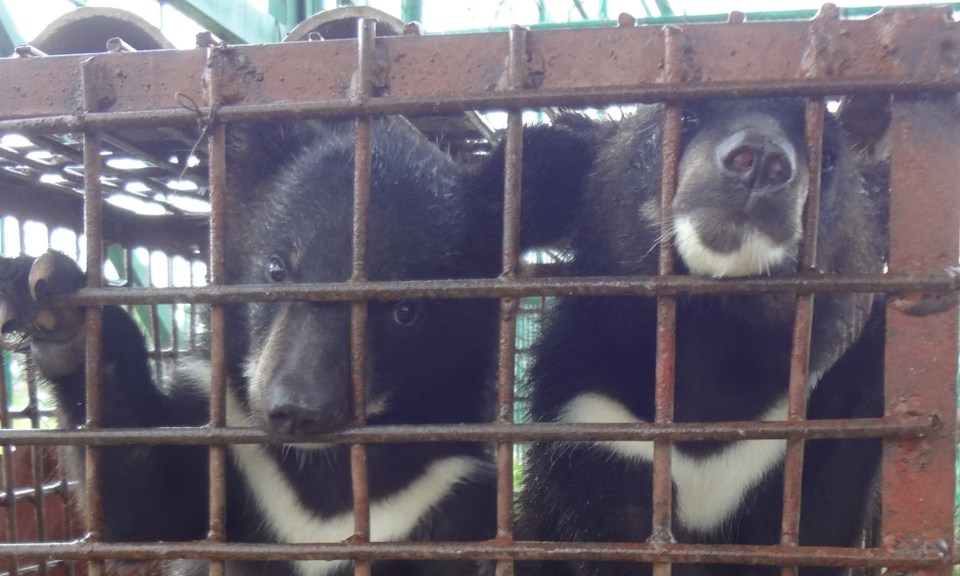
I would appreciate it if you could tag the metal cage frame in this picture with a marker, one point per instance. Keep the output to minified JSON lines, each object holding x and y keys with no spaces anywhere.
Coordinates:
{"x":909,"y":53}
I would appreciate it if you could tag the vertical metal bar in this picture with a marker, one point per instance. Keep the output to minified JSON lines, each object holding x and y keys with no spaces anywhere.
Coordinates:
{"x":93,"y":230}
{"x":8,"y":481}
{"x":218,"y":359}
{"x":155,"y":326}
{"x":362,"y":169}
{"x":802,"y":325}
{"x":193,"y":313}
{"x":63,"y":490}
{"x":217,"y":160}
{"x":174,"y":326}
{"x":36,"y":460}
{"x":662,"y":498}
{"x":507,"y":341}
{"x":920,"y":366}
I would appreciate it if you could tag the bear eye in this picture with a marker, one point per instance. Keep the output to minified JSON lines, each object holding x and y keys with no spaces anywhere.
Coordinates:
{"x":828,"y":163}
{"x":405,"y":313}
{"x":689,"y":120}
{"x":276,"y":269}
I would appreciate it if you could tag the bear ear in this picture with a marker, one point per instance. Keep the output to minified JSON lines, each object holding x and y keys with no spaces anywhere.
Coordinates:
{"x":257,"y":151}
{"x":557,"y":161}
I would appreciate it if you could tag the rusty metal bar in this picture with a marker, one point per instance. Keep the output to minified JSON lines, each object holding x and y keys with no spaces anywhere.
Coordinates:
{"x":362,"y":175}
{"x":10,"y":500}
{"x":217,"y":60}
{"x":155,"y":327}
{"x":428,"y":105}
{"x":902,"y":426}
{"x":63,"y":490}
{"x":36,"y":461}
{"x":920,"y":364}
{"x":174,"y":324}
{"x":665,"y":372}
{"x":802,"y":327}
{"x":515,"y":76}
{"x":579,"y":551}
{"x":938,"y":281}
{"x":896,"y":50}
{"x":93,"y":376}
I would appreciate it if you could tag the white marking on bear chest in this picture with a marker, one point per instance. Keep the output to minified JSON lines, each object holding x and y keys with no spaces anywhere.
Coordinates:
{"x":710,"y":488}
{"x":391,"y":518}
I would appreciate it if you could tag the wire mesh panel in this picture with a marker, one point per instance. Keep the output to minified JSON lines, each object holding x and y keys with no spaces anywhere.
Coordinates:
{"x":100,"y":102}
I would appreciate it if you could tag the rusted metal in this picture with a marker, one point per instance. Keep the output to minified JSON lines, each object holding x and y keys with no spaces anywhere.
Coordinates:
{"x":802,"y":328}
{"x":902,"y":426}
{"x":216,"y":62}
{"x":514,"y":77}
{"x":64,"y":491}
{"x":93,"y":369}
{"x":901,"y":51}
{"x":935,"y":283}
{"x":579,"y":551}
{"x":36,"y":462}
{"x":665,"y":370}
{"x":921,"y":356}
{"x":895,"y":50}
{"x":362,"y":175}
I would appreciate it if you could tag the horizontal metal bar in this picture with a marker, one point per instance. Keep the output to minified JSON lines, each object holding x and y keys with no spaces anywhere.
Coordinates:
{"x":495,"y":288}
{"x":897,"y":51}
{"x":905,"y":427}
{"x":429,"y":105}
{"x":580,"y":551}
{"x":30,"y":494}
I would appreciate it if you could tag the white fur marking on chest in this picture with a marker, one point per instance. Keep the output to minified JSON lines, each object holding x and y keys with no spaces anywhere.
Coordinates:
{"x":709,"y":489}
{"x":391,"y":518}
{"x":756,"y":255}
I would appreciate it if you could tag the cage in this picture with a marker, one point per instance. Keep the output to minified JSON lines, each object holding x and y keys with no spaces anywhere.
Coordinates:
{"x":164,"y":113}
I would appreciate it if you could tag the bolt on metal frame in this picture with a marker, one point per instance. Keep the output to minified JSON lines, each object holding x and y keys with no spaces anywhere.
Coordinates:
{"x":905,"y":52}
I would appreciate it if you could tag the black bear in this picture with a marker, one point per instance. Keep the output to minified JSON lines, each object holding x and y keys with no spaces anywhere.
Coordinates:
{"x":290,"y":208}
{"x":742,"y":184}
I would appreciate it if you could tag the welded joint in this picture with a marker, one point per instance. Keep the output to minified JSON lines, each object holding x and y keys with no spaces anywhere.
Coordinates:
{"x":224,"y":75}
{"x":524,"y":67}
{"x":372,"y":76}
{"x":938,"y":549}
{"x":819,"y":57}
{"x":98,"y":90}
{"x":679,"y":58}
{"x":927,"y":304}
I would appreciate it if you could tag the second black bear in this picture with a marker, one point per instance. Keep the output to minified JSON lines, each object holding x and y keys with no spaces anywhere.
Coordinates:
{"x":743,"y":181}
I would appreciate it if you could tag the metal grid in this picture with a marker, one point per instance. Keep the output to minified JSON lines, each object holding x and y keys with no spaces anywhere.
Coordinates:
{"x":898,"y":51}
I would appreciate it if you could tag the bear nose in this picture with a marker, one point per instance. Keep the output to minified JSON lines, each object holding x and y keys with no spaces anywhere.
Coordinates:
{"x":755,"y":159}
{"x":291,"y":413}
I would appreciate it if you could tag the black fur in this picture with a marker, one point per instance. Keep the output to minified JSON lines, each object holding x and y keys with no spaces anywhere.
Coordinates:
{"x":733,"y":352}
{"x":289,"y":221}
